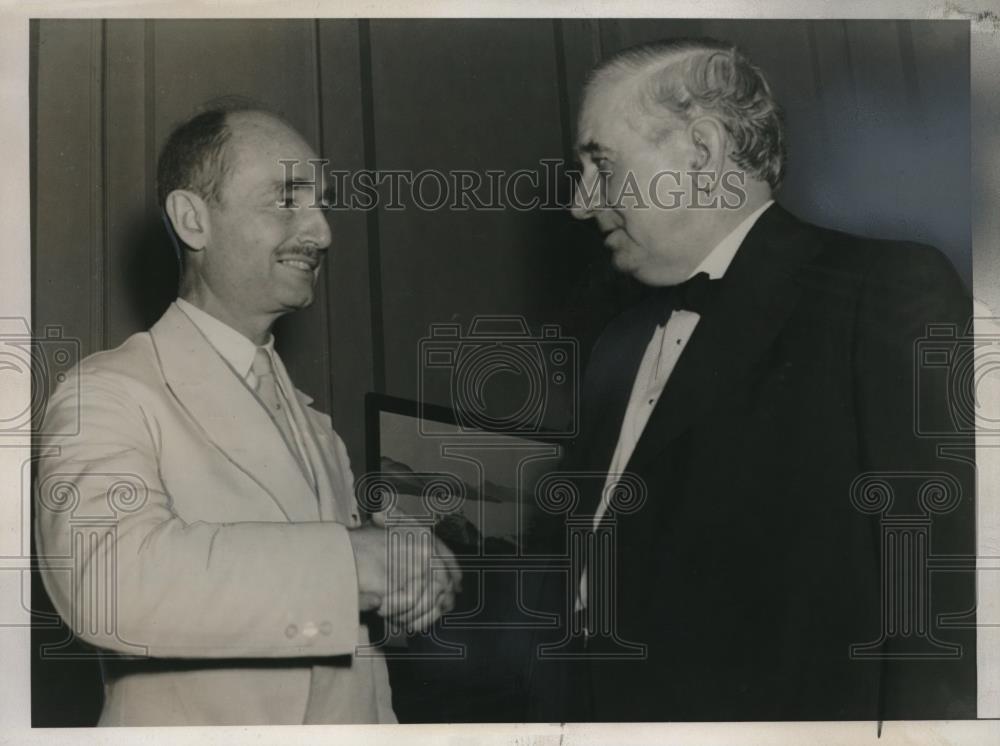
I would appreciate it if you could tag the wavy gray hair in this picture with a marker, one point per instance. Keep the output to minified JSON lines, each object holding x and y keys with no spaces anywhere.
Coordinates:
{"x":687,"y":78}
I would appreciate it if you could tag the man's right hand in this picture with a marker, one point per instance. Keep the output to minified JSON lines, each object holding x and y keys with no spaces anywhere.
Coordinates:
{"x":397,"y":579}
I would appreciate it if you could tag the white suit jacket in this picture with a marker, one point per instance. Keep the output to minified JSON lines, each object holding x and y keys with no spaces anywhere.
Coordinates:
{"x":177,"y":525}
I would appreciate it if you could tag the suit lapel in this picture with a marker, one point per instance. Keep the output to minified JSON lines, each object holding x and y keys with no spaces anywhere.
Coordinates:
{"x":218,"y":399}
{"x":317,"y":450}
{"x":333,"y":483}
{"x":759,"y":291}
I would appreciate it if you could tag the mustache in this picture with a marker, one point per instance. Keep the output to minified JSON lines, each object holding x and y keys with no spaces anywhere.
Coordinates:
{"x":308,"y":253}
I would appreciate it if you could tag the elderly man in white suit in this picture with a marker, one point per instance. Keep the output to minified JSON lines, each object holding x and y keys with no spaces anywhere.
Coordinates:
{"x":230,"y":554}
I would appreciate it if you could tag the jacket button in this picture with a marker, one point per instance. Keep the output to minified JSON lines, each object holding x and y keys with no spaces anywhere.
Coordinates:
{"x":291,"y":630}
{"x":325,"y":628}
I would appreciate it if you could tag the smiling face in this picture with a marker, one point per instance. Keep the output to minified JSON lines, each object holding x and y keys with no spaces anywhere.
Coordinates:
{"x":261,"y":256}
{"x":641,"y":186}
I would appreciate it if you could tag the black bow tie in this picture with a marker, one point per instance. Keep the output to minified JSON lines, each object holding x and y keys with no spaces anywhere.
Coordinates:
{"x":694,"y":294}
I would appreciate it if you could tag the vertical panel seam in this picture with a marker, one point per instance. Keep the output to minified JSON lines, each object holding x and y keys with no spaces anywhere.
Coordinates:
{"x":105,"y":188}
{"x":602,"y":29}
{"x":562,"y":94}
{"x":98,"y":187}
{"x":374,"y":248}
{"x":34,"y":36}
{"x":149,"y":106}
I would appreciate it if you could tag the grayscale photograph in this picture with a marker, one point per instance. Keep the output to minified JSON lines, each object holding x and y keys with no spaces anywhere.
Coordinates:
{"x":505,"y":370}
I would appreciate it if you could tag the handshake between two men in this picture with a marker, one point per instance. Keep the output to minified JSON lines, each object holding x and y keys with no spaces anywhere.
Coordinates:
{"x":405,"y":572}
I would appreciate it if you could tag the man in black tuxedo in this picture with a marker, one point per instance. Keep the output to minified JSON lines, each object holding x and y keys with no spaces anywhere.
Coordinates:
{"x":766,"y":397}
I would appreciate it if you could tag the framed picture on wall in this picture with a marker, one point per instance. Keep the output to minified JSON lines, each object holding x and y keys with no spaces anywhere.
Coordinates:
{"x":484,"y":481}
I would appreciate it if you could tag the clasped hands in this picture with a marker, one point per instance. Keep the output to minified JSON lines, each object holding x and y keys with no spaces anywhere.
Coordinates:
{"x":404,"y":571}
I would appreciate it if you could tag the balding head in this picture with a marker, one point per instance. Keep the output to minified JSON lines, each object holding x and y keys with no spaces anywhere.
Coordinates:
{"x":239,"y":190}
{"x":196,"y":155}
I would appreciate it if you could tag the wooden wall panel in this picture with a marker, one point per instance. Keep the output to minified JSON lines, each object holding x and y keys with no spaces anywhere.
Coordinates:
{"x":68,"y":234}
{"x":581,"y":50}
{"x":476,"y":95}
{"x":349,"y":309}
{"x":127,"y":193}
{"x":69,"y":264}
{"x":267,"y":60}
{"x":583,"y":288}
{"x":618,"y":34}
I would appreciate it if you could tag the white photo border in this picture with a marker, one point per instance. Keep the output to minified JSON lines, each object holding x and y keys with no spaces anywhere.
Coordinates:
{"x":15,"y":302}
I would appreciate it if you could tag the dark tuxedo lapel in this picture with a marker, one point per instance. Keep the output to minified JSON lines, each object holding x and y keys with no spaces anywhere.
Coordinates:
{"x":612,"y":373}
{"x":608,"y":385}
{"x":758,"y":292}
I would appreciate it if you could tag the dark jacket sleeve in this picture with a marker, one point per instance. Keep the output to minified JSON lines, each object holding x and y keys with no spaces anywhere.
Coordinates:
{"x":914,"y":394}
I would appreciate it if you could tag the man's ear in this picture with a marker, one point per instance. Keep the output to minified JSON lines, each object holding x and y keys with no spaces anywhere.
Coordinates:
{"x":188,"y":214}
{"x":710,"y":141}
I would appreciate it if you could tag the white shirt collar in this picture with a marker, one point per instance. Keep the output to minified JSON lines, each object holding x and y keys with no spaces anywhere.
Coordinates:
{"x":719,"y":258}
{"x":236,"y":349}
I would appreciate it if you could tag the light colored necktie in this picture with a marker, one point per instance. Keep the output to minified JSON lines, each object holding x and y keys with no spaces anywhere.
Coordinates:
{"x":267,"y":389}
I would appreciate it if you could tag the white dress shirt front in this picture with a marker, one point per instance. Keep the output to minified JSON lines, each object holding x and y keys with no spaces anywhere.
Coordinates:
{"x":238,"y":351}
